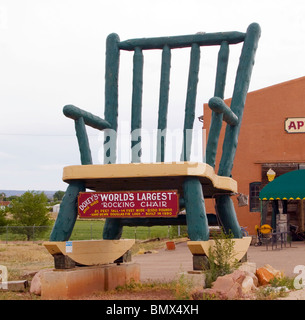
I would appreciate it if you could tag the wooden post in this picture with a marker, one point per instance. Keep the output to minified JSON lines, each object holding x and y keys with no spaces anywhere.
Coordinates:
{"x":197,"y":223}
{"x":301,"y":215}
{"x":190,"y":102}
{"x":67,"y":214}
{"x":219,"y":106}
{"x":264,"y":211}
{"x":275,"y":212}
{"x":111,"y":94}
{"x":163,"y":103}
{"x":216,"y":120}
{"x":112,"y":228}
{"x":226,"y":211}
{"x":82,"y":118}
{"x":136,"y":115}
{"x":83,"y":142}
{"x":242,"y":81}
{"x":206,"y":39}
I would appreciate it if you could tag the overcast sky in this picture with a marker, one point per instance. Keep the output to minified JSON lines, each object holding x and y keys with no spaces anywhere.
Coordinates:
{"x":52,"y":53}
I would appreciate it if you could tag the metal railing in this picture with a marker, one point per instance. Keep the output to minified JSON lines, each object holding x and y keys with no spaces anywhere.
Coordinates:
{"x":89,"y":232}
{"x":24,"y":233}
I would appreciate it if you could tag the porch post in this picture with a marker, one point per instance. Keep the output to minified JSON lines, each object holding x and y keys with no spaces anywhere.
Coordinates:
{"x":301,"y":217}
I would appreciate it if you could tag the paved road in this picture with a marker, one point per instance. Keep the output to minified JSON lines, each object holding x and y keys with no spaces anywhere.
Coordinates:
{"x":166,"y":265}
{"x":285,"y":259}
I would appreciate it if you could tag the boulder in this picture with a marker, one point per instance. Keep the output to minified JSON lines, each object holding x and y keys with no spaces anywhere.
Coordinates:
{"x":235,"y":292}
{"x":264,"y":276}
{"x":223,"y":283}
{"x":236,"y":285}
{"x":275,"y":272}
{"x":35,"y":287}
{"x":248,"y":267}
{"x":248,"y":285}
{"x":237,"y":276}
{"x":254,"y":278}
{"x":266,"y":273}
{"x":228,"y":286}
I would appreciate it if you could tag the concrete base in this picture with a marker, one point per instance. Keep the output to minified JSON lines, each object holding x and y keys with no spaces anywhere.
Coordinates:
{"x":200,"y":262}
{"x":19,"y":285}
{"x":80,"y":281}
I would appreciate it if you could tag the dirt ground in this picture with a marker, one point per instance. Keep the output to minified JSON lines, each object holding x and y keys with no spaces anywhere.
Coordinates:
{"x":158,"y":265}
{"x":147,"y":294}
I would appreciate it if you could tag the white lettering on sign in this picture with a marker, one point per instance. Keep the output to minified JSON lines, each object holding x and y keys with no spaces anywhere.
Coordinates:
{"x":139,"y":203}
{"x":295,"y":125}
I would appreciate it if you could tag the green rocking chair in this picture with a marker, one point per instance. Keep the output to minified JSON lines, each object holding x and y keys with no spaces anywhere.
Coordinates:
{"x":194,"y":181}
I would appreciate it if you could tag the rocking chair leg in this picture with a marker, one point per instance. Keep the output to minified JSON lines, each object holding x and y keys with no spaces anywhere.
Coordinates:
{"x":112,"y":229}
{"x":67,"y":214}
{"x":197,"y":222}
{"x":227,"y":214}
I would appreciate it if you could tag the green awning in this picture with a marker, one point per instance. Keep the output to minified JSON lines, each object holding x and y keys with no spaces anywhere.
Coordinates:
{"x":288,"y":186}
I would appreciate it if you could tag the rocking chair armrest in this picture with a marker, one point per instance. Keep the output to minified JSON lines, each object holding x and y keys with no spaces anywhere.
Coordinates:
{"x":91,"y":120}
{"x":219,"y":106}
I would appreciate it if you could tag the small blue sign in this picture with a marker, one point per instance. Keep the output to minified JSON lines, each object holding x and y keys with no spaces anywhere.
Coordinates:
{"x":68,"y":246}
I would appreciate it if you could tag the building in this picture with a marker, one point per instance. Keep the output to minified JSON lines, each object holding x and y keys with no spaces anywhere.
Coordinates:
{"x":272,"y":136}
{"x":4,"y":204}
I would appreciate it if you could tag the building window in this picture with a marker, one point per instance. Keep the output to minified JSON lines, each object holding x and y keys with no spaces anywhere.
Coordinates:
{"x":254,"y":202}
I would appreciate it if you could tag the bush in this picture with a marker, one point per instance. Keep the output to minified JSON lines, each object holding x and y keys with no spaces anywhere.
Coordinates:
{"x":3,"y":220}
{"x":221,"y":258}
{"x":30,"y":209}
{"x":174,"y":231}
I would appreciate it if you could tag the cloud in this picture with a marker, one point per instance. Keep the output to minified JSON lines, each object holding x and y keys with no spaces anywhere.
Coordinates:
{"x":5,"y":156}
{"x":53,"y":54}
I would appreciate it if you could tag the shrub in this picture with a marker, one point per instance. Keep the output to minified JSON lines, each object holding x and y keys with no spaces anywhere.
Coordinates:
{"x":220,"y":258}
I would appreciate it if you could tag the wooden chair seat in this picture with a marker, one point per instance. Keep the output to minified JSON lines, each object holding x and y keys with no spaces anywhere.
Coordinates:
{"x":149,"y":176}
{"x":241,"y":247}
{"x":91,"y":252}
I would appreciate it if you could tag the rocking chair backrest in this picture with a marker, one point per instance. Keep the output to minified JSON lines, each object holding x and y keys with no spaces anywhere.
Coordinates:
{"x":191,"y":186}
{"x":167,"y":44}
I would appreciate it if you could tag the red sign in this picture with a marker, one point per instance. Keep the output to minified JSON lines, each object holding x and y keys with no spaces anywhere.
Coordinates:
{"x":295,"y":125}
{"x":128,"y":204}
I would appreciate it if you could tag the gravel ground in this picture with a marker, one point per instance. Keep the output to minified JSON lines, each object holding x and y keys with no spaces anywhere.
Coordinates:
{"x":166,"y":265}
{"x":295,"y":295}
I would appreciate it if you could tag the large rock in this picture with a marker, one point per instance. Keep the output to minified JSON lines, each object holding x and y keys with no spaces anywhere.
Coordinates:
{"x":248,"y":266}
{"x":266,"y":273}
{"x":35,"y":287}
{"x":253,"y":276}
{"x":248,"y":285}
{"x":264,"y":276}
{"x":236,"y":285}
{"x":227,"y":287}
{"x":275,"y":272}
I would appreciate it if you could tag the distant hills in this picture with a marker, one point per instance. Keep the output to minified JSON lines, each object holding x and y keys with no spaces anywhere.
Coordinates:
{"x":18,"y":193}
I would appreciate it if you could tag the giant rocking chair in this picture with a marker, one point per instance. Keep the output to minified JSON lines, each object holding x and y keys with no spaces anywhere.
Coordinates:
{"x":194,"y":181}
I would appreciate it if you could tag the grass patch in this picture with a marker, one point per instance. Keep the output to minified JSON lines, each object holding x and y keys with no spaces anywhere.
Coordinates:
{"x":277,"y":289}
{"x":179,"y":289}
{"x":93,"y":229}
{"x":88,"y":230}
{"x":10,"y":295}
{"x":23,"y":259}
